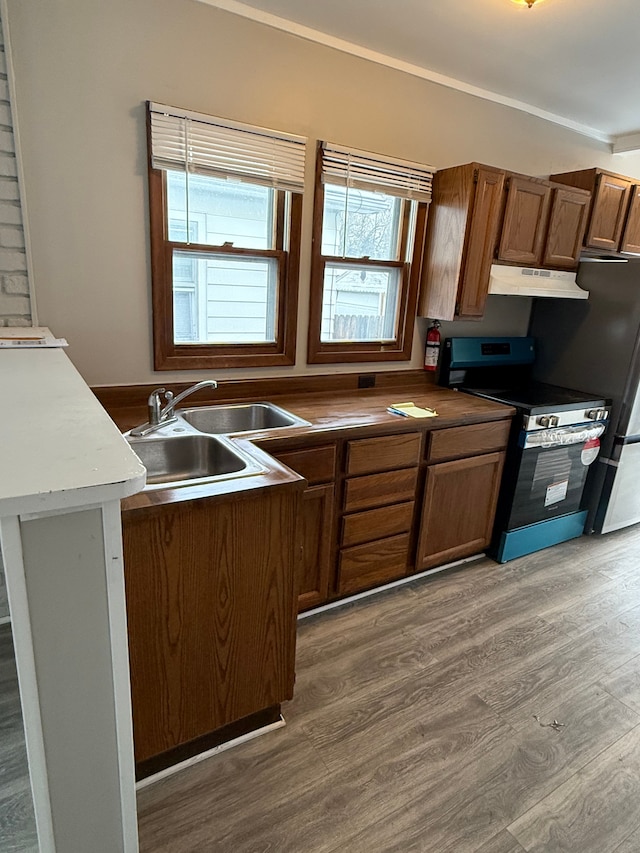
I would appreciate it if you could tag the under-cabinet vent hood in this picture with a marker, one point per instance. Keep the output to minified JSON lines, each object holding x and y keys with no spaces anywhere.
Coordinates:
{"x":525,"y":281}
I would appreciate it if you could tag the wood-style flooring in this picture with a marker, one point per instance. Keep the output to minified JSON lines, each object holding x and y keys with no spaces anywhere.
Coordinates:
{"x":17,"y":823}
{"x":421,"y":722}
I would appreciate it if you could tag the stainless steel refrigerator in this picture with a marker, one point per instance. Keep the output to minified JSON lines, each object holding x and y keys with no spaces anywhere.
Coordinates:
{"x":594,"y":346}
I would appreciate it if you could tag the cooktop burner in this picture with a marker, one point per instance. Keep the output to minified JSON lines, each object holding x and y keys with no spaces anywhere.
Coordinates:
{"x":538,"y":397}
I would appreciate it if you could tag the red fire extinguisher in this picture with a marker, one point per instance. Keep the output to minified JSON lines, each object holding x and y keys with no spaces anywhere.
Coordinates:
{"x":433,"y":346}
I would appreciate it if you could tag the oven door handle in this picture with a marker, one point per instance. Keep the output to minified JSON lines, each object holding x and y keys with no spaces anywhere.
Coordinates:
{"x":561,"y":436}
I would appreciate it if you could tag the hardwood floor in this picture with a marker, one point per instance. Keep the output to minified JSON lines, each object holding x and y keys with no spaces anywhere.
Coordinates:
{"x":414,"y":727}
{"x":17,"y":823}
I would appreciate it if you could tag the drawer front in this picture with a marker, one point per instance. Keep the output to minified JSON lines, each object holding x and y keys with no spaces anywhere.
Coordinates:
{"x":468,"y":440}
{"x":376,"y":523}
{"x":380,"y":489}
{"x":316,"y":465}
{"x":378,"y":562}
{"x":368,"y":455}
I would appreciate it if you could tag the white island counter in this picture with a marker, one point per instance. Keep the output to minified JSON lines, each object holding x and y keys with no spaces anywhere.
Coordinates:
{"x":64,"y":467}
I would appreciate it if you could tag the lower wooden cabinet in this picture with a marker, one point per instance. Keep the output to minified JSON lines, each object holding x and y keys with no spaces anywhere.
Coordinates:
{"x":211,"y":614}
{"x":375,"y":563}
{"x":315,"y":530}
{"x":458,"y":509}
{"x":314,"y":566}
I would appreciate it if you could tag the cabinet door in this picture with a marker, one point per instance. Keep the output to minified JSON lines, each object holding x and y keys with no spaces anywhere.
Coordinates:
{"x":459,"y":508}
{"x":211,"y":616}
{"x":480,"y":244}
{"x":608,"y":213}
{"x":631,"y":235}
{"x":314,"y":567}
{"x":525,"y":221}
{"x":567,"y":223}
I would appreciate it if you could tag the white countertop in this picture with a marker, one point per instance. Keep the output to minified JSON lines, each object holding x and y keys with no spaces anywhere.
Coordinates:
{"x":58,"y":447}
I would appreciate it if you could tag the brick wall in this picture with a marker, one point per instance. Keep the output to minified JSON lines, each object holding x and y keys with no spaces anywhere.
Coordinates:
{"x":15,"y":306}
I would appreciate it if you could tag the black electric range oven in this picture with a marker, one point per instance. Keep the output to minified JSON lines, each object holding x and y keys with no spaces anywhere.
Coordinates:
{"x":554,"y":439}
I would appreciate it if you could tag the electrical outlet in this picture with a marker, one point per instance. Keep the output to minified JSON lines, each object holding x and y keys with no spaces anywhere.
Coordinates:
{"x":366,"y":380}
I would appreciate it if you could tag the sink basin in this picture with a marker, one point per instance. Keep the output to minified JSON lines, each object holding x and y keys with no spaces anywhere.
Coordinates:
{"x":240,"y":417}
{"x":188,"y":459}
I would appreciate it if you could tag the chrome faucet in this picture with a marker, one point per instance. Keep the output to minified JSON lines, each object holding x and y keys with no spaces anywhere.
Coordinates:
{"x":160,"y":416}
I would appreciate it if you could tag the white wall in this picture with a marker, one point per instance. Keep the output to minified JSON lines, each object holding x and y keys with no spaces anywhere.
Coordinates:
{"x":83,"y":71}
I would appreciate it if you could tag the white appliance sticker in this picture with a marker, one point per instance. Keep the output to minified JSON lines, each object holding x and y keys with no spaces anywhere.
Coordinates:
{"x":590,"y":451}
{"x":556,"y":492}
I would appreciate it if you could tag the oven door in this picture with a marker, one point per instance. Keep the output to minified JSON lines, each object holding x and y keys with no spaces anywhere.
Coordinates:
{"x":550,"y":471}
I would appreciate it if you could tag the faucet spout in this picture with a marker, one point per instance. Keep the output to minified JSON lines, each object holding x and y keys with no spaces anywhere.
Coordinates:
{"x":159,"y":416}
{"x":172,"y":401}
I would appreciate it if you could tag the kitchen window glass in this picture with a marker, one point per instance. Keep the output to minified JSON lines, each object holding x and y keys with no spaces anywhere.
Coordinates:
{"x":370,"y":213}
{"x":225,"y":223}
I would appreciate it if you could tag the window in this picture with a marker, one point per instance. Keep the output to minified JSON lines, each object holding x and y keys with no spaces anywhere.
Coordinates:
{"x":225,"y":210}
{"x":370,"y":218}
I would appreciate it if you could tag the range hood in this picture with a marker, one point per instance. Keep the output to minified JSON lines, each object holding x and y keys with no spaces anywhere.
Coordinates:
{"x":525,"y":281}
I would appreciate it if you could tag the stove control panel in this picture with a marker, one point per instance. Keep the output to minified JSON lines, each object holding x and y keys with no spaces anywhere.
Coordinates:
{"x":559,"y":419}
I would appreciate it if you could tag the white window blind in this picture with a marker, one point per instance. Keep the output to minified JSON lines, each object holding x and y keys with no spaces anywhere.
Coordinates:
{"x":349,"y":167}
{"x":212,"y":146}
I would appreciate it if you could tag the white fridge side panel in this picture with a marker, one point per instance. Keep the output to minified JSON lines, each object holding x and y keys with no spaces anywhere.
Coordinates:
{"x":623,"y":508}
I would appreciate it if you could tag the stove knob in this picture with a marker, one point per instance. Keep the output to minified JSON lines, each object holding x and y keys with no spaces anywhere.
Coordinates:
{"x":596,"y":414}
{"x":547,"y":421}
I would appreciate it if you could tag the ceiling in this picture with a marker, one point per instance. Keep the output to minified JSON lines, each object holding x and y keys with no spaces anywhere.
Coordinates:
{"x":575,"y":62}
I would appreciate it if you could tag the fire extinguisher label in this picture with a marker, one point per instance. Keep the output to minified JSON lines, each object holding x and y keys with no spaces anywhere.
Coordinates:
{"x":431,"y":356}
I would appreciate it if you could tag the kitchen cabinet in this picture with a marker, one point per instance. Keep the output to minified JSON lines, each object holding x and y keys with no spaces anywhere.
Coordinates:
{"x":614,"y":218}
{"x":211,"y":619}
{"x":378,"y":508}
{"x":464,"y":216}
{"x":315,"y":528}
{"x":567,"y":224}
{"x":461,"y":493}
{"x":525,"y":221}
{"x":543,"y":224}
{"x":480,"y":215}
{"x":631,"y":234}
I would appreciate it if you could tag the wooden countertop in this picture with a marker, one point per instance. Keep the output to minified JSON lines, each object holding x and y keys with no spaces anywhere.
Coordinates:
{"x":332,"y":415}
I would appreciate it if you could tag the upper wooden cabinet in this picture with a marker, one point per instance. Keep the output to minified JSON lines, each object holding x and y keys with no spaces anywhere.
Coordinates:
{"x":567,"y":223}
{"x":461,"y":236}
{"x":480,"y":215}
{"x":614,"y":215}
{"x":525,"y":221}
{"x":631,"y":234}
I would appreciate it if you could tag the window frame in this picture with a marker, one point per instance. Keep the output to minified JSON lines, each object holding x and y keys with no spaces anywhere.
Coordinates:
{"x":335,"y":352}
{"x":169,"y":355}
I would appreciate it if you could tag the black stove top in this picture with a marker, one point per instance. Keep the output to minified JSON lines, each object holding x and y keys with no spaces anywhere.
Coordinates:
{"x":538,"y":398}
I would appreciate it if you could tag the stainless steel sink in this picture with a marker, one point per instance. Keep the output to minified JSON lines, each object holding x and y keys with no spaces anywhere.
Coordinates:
{"x":188,"y":459}
{"x":240,"y":417}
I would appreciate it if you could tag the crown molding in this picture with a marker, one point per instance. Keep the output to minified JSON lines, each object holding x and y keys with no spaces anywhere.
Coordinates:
{"x":317,"y":36}
{"x":626,"y":143}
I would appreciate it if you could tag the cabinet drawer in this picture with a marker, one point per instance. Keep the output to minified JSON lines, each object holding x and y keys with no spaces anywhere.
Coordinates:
{"x":368,"y":455}
{"x":468,"y":440}
{"x":377,"y":562}
{"x":316,"y":465}
{"x":380,"y":489}
{"x":376,"y":523}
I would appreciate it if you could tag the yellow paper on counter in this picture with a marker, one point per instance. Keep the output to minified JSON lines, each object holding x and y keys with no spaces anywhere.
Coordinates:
{"x":410,"y":410}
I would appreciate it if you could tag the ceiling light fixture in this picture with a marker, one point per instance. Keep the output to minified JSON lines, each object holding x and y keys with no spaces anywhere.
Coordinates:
{"x":528,"y":3}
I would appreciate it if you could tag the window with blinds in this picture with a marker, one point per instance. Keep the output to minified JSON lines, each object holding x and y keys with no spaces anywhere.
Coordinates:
{"x":225,"y":203}
{"x":370,"y":212}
